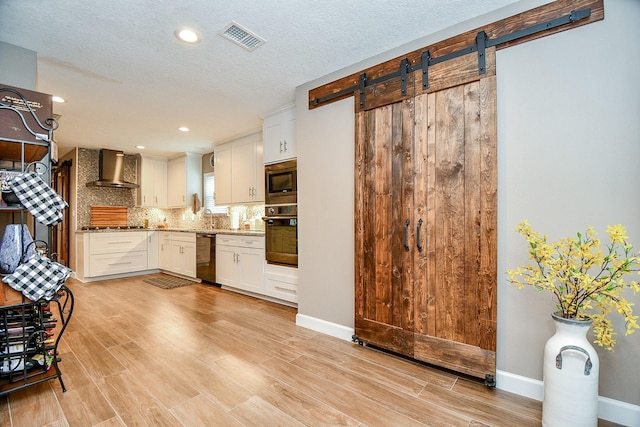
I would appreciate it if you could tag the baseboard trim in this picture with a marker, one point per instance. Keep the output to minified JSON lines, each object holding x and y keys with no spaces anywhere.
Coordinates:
{"x":618,"y":412}
{"x":78,"y":277}
{"x":325,"y":327}
{"x":622,"y":413}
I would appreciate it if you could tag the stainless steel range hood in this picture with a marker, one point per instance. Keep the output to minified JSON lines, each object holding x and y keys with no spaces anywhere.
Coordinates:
{"x":111,"y":170}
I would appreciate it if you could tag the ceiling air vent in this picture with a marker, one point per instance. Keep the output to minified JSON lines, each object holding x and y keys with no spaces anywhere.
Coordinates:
{"x":241,"y":36}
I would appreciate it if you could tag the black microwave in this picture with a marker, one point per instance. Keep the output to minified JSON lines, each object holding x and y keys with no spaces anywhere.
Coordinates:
{"x":281,"y":183}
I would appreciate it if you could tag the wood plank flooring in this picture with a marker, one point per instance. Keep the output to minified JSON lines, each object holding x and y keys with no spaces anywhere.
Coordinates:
{"x":137,"y":355}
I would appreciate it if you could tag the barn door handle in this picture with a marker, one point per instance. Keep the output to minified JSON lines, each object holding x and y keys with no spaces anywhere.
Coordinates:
{"x":418,"y":235}
{"x":406,"y":227}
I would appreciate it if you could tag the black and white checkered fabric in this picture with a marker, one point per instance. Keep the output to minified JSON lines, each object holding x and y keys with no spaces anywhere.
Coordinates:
{"x":38,"y":278}
{"x":39,"y":198}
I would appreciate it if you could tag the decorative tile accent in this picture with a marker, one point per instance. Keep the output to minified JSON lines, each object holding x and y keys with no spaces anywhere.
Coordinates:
{"x":88,"y":164}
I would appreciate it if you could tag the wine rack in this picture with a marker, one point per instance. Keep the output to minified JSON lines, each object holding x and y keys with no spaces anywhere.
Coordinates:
{"x":30,"y":331}
{"x":29,"y":336}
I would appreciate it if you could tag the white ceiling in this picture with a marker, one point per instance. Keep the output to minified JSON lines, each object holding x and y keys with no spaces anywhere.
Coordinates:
{"x":129,"y":81}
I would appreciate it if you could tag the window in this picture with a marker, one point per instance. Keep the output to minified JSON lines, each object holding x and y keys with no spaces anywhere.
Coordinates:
{"x":209,"y":201}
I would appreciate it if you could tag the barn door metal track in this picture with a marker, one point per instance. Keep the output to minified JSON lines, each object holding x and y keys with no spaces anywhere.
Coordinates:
{"x":481,"y":44}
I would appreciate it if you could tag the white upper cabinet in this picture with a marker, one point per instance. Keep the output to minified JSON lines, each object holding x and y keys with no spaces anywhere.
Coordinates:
{"x":222,"y":172}
{"x":239,"y":174}
{"x":184,"y":180}
{"x":279,"y":130}
{"x":152,"y":173}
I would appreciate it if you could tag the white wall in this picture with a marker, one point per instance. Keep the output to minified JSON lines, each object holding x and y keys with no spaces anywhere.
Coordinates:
{"x":568,"y":142}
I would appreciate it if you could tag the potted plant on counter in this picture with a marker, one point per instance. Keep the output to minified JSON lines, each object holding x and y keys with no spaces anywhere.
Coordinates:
{"x":587,"y":284}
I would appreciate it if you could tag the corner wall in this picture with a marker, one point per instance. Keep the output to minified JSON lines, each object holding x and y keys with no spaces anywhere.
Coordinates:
{"x":569,"y":143}
{"x":19,"y":66}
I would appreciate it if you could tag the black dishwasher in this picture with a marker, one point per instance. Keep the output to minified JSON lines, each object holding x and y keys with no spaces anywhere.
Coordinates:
{"x":206,"y":257}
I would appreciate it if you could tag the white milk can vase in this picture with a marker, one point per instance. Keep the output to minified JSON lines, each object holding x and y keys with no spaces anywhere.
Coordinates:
{"x":570,"y":376}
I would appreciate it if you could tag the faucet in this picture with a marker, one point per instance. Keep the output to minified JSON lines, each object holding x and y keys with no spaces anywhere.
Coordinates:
{"x":208,"y":211}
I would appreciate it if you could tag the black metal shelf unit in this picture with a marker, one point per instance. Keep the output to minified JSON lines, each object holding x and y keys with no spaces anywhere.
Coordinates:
{"x":30,"y":331}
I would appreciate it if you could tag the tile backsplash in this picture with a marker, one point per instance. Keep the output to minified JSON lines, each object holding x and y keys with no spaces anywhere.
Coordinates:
{"x":87,"y":164}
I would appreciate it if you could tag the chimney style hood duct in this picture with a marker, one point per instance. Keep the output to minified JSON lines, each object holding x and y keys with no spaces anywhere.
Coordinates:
{"x":112,"y":171}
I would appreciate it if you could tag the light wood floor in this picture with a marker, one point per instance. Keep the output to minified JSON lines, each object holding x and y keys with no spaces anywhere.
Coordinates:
{"x":137,"y":355}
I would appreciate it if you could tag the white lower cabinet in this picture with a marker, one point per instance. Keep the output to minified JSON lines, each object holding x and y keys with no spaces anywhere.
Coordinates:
{"x":240,"y":262}
{"x":281,"y":282}
{"x":177,"y":252}
{"x":112,"y":253}
{"x":183,"y":254}
{"x":107,"y":264}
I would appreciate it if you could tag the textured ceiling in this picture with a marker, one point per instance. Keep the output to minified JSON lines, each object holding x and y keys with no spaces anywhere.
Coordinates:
{"x":128,"y":81}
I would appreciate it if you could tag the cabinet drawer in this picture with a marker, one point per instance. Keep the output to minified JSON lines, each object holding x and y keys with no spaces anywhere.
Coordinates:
{"x":117,"y":242}
{"x":284,"y":288}
{"x":105,"y":264}
{"x":240,"y":241}
{"x":179,"y":236}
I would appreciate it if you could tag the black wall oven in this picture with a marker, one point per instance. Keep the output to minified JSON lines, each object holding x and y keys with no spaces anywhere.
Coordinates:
{"x":281,"y":234}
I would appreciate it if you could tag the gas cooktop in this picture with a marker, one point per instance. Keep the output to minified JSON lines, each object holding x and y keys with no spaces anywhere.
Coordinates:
{"x":112,"y":227}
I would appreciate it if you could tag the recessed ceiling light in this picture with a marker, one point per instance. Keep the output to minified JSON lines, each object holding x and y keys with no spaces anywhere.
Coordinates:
{"x":140,"y":147}
{"x":187,"y":35}
{"x":58,"y":99}
{"x":183,"y":129}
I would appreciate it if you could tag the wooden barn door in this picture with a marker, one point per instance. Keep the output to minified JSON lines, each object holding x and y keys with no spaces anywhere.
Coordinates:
{"x":456,"y":181}
{"x":384,"y":205}
{"x":426,"y":223}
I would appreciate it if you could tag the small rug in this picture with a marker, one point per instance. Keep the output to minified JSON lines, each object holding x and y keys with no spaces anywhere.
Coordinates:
{"x":169,"y":282}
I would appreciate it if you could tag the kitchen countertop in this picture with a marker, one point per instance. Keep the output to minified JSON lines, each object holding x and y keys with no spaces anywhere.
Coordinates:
{"x":184,"y":230}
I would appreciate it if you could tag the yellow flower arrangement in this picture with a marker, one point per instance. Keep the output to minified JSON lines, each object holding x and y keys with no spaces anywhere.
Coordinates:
{"x":586,"y":282}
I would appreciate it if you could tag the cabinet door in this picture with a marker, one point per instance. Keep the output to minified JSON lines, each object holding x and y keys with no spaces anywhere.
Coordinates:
{"x":239,"y":171}
{"x":193,"y":177}
{"x":153,"y":182}
{"x":279,"y":136}
{"x":223,"y":174}
{"x":289,"y":135}
{"x":251,"y":268}
{"x":153,"y":246}
{"x":177,"y":182}
{"x":176,"y":257}
{"x":259,"y":171}
{"x":147,"y":182}
{"x":189,"y":259}
{"x":226,"y":267}
{"x":184,"y":179}
{"x":160,"y":183}
{"x":244,"y":172}
{"x":165,"y":251}
{"x":272,"y":133}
